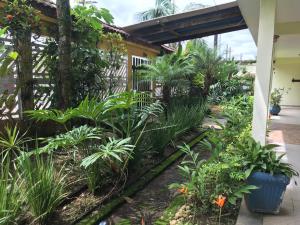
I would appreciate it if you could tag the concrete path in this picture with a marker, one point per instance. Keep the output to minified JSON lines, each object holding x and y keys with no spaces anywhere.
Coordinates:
{"x":284,"y":131}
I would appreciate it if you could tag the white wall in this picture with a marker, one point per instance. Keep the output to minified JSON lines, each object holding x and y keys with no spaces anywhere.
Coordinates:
{"x":285,"y":70}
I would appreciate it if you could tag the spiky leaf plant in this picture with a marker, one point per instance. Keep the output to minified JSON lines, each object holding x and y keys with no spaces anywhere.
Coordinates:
{"x":44,"y":187}
{"x":12,"y":142}
{"x":10,"y":196}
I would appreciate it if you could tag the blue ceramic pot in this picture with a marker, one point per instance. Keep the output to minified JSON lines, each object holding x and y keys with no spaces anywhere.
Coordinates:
{"x":268,"y":197}
{"x":275,"y":110}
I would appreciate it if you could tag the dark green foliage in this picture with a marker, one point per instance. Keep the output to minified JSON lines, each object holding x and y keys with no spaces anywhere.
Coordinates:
{"x":224,"y":172}
{"x":170,"y":71}
{"x":88,"y":24}
{"x":180,"y":119}
{"x":224,"y":90}
{"x":93,"y":70}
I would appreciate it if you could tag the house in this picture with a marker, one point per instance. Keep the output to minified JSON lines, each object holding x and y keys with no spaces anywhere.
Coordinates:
{"x":275,"y":28}
{"x":137,"y":52}
{"x":136,"y":48}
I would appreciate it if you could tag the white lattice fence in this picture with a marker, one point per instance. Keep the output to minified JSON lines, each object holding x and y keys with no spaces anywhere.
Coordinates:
{"x":118,"y":79}
{"x":10,"y":105}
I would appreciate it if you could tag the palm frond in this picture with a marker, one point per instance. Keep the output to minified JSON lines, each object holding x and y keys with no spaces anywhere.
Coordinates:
{"x":114,"y":150}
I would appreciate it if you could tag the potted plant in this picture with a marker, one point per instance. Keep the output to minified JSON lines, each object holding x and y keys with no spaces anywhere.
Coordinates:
{"x":270,"y":175}
{"x":275,"y":100}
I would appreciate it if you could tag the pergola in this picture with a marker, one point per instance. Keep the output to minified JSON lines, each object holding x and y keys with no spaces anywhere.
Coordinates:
{"x":189,"y":25}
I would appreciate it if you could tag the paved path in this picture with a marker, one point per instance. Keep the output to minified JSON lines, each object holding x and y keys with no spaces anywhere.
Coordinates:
{"x":284,"y":131}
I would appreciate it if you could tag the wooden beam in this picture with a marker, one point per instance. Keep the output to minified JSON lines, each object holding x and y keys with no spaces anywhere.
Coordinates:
{"x":180,"y":16}
{"x":190,"y":29}
{"x":209,"y":32}
{"x":212,"y":30}
{"x":184,"y":24}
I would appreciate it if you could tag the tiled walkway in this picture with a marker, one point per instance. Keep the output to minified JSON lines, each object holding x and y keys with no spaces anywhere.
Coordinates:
{"x":284,"y":131}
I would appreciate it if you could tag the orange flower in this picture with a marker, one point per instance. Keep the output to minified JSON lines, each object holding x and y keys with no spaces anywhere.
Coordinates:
{"x":9,"y":17}
{"x":183,"y":190}
{"x":220,"y":202}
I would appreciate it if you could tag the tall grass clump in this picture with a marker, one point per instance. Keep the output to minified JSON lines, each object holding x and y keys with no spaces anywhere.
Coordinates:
{"x":10,"y":197}
{"x":43,"y":186}
{"x":180,"y":119}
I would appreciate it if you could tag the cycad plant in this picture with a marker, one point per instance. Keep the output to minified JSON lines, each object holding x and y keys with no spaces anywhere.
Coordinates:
{"x":170,"y":71}
{"x":206,"y":65}
{"x":43,"y":186}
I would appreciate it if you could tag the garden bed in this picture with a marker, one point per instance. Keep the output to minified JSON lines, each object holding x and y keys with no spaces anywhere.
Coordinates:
{"x":177,"y":211}
{"x":150,"y":203}
{"x":80,"y":202}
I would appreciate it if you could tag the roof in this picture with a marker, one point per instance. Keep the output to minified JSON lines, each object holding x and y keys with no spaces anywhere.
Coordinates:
{"x":189,"y":25}
{"x":48,"y":8}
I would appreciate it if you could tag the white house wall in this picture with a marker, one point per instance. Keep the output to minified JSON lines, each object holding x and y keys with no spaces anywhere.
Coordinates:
{"x":285,"y":71}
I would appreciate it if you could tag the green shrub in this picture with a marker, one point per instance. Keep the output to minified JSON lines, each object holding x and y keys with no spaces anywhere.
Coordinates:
{"x":43,"y":186}
{"x":226,"y":89}
{"x":206,"y":180}
{"x":256,"y":157}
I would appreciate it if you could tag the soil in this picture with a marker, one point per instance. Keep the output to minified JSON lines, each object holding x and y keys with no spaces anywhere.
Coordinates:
{"x":151,"y":202}
{"x":228,"y":218}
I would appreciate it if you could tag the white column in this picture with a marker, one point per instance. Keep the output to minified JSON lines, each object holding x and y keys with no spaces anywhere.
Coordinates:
{"x":264,"y":69}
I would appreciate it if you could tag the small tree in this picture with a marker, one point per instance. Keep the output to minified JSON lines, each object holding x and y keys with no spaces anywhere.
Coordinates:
{"x":161,"y":8}
{"x":168,"y":70}
{"x":206,"y":63}
{"x":64,"y":52}
{"x":21,"y":19}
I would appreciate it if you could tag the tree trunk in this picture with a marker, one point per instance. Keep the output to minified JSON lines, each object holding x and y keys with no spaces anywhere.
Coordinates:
{"x":64,"y":53}
{"x":166,"y":94}
{"x":194,"y":91}
{"x":24,"y":68}
{"x":207,"y":83}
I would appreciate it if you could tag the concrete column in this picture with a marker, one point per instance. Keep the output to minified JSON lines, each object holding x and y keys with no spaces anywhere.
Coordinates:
{"x":264,"y":69}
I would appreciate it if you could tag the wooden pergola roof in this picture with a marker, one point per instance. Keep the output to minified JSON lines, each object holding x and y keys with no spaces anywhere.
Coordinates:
{"x":194,"y":24}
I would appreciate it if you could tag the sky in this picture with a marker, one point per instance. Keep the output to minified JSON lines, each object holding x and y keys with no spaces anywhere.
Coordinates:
{"x":240,"y":43}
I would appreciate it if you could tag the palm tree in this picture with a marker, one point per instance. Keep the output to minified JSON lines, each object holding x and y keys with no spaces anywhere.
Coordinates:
{"x":193,"y":6}
{"x":206,"y":63}
{"x":169,"y":70}
{"x":161,"y":8}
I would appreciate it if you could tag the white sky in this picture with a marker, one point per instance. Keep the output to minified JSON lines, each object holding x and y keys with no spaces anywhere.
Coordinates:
{"x":124,"y":12}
